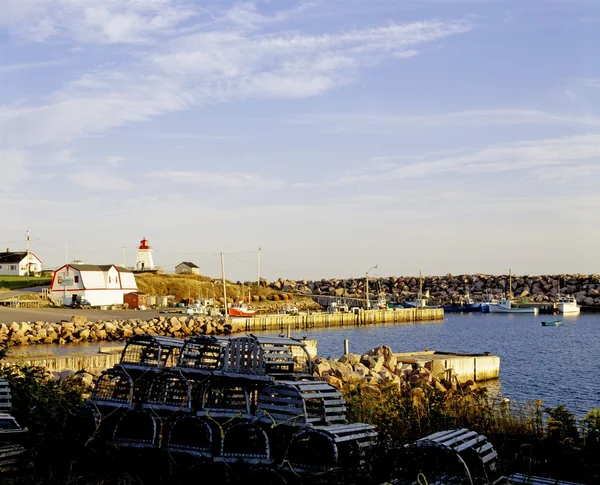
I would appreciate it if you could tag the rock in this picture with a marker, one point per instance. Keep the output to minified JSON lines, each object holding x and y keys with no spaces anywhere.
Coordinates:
{"x":343,"y":372}
{"x":78,"y":320}
{"x":350,"y":358}
{"x":374,"y":362}
{"x":436,"y":367}
{"x":84,"y":334}
{"x":370,"y":390}
{"x":360,"y":370}
{"x":322,"y":368}
{"x":334,"y":381}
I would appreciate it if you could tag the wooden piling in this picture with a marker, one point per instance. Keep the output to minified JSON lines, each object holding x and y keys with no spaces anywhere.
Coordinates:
{"x":338,"y":319}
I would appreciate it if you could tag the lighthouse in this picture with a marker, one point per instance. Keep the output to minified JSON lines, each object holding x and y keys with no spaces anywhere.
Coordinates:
{"x":144,"y":261}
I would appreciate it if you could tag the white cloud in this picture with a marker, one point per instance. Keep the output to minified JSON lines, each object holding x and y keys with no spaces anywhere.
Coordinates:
{"x":210,"y":67}
{"x":350,"y":122}
{"x":543,"y":156}
{"x":96,"y":181}
{"x":228,"y":180}
{"x":6,"y":68}
{"x":13,"y":168}
{"x":92,"y":21}
{"x":114,"y":161}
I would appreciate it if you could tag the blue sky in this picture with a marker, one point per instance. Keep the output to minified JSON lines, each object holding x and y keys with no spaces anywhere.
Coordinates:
{"x":452,"y":136}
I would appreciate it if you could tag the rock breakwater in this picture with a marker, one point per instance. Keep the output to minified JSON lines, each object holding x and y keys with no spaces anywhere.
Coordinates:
{"x":379,"y":366}
{"x":79,"y":329}
{"x":441,"y":289}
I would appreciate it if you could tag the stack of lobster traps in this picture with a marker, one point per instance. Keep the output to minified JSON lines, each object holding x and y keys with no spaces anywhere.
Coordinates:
{"x":224,"y":407}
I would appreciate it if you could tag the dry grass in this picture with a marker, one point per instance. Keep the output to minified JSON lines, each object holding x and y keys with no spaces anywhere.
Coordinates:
{"x":194,"y":286}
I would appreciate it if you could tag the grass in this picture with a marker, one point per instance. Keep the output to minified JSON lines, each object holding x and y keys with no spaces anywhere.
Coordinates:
{"x":19,"y":282}
{"x":195,"y":286}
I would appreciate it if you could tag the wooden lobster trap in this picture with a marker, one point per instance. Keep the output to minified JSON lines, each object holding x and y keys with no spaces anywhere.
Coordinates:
{"x":301,"y":403}
{"x":146,"y":351}
{"x":203,"y":353}
{"x":277,"y":357}
{"x":456,"y":456}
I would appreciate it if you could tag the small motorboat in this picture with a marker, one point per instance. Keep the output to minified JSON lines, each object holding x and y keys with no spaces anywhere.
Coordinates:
{"x":553,"y":323}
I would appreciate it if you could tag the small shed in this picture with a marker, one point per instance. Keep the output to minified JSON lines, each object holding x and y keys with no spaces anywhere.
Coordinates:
{"x":136,"y":299}
{"x":186,"y":267}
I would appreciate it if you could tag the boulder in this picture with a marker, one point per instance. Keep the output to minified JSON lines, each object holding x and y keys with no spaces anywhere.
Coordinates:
{"x":373,"y":362}
{"x":350,"y":358}
{"x":78,"y":320}
{"x":334,"y":381}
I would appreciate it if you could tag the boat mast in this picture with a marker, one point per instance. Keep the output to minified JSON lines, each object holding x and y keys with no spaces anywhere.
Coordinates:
{"x":224,"y":287}
{"x":420,"y":285}
{"x":510,"y":295}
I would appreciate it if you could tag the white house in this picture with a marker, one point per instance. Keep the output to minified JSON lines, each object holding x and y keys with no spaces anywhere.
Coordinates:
{"x":18,"y":264}
{"x":99,"y":284}
{"x":187,"y":268}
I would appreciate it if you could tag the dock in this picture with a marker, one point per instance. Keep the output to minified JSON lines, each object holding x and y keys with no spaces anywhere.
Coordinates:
{"x":362,"y":317}
{"x":455,"y":366}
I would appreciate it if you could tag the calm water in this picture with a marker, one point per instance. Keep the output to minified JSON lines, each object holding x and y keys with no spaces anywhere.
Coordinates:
{"x":559,"y":365}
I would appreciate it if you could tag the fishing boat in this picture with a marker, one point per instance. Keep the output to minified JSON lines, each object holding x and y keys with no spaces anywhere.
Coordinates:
{"x":567,"y":304}
{"x":464,"y":304}
{"x":505,"y":305}
{"x":421,"y":300}
{"x":486,"y":302}
{"x":553,"y":323}
{"x":240,"y":309}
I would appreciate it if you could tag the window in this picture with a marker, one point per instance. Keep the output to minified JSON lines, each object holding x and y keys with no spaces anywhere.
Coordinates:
{"x":13,"y":267}
{"x":76,"y":279}
{"x":59,"y":280}
{"x":0,"y":266}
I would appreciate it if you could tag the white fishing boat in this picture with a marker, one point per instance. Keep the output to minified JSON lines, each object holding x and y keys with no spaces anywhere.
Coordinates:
{"x":505,"y":305}
{"x":567,"y":304}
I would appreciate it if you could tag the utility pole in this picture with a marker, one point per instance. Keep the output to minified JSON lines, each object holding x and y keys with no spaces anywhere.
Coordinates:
{"x":224,"y":287}
{"x":367,"y":286}
{"x":258,"y":269}
{"x":28,"y":267}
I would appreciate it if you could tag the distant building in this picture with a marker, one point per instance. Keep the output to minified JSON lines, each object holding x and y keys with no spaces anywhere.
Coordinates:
{"x":136,"y":299}
{"x":187,"y":268}
{"x":143,"y":261}
{"x":99,"y":284}
{"x":17,"y":263}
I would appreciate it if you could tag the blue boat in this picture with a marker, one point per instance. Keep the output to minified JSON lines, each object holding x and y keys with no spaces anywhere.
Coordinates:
{"x":465,"y":304}
{"x":553,"y":323}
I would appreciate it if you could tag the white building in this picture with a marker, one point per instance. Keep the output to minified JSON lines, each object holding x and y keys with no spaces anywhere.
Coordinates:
{"x":99,"y":284}
{"x":143,"y":261}
{"x":18,"y":264}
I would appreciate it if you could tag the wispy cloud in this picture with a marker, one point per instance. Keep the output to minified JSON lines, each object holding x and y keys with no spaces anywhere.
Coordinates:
{"x":349,"y":122}
{"x":114,"y":160}
{"x":228,"y":180}
{"x":98,"y":181}
{"x":13,"y":168}
{"x":539,"y":155}
{"x":7,"y":68}
{"x":210,"y":67}
{"x":90,"y":21}
{"x":200,"y":137}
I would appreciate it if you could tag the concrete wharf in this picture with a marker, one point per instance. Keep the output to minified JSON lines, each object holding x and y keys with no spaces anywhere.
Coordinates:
{"x":337,"y":319}
{"x":459,"y":366}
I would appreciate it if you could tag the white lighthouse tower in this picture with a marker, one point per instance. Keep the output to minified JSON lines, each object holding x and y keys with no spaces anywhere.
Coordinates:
{"x":144,"y":261}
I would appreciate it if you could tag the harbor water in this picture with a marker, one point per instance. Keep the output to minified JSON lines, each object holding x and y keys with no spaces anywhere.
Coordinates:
{"x":558,"y":365}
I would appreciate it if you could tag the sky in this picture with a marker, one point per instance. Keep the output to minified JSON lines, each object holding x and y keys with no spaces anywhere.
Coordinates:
{"x":448,"y":136}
